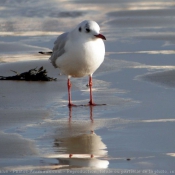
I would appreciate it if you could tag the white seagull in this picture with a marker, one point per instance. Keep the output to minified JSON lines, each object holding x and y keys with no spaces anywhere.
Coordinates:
{"x":79,"y":53}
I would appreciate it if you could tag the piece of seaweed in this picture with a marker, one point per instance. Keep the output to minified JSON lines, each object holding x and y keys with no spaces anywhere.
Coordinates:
{"x":31,"y":75}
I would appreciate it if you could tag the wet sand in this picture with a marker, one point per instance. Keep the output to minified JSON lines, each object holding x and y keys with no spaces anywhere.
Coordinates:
{"x":132,"y":134}
{"x":39,"y":131}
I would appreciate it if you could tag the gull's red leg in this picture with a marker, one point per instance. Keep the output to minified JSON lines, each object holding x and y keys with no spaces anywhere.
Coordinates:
{"x":69,"y":93}
{"x":90,"y":86}
{"x":91,"y":102}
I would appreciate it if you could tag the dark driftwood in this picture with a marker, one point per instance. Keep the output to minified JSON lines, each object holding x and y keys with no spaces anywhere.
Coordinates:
{"x":31,"y":75}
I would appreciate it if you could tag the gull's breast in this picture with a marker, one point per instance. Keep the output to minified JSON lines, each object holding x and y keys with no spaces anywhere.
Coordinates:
{"x":82,"y":59}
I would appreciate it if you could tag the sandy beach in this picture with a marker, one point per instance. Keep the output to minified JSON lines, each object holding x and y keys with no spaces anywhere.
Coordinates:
{"x":132,"y":134}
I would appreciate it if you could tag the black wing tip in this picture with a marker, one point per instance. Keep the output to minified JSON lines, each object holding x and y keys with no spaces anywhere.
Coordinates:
{"x":45,"y":53}
{"x":41,"y":52}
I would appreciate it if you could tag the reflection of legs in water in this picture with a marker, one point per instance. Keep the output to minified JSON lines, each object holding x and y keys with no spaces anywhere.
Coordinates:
{"x":91,"y":113}
{"x":70,"y":113}
{"x":92,"y":121}
{"x":70,"y":117}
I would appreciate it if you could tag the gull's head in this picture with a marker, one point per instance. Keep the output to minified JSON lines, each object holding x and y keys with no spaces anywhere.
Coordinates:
{"x":90,"y":29}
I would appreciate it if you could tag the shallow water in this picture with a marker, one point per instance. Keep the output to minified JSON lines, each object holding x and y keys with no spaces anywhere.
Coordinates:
{"x":133,"y":133}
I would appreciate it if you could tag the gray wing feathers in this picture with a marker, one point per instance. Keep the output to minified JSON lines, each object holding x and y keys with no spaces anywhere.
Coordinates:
{"x":58,"y":48}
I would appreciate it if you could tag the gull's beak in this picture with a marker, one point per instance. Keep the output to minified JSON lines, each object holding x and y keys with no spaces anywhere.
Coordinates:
{"x":100,"y":36}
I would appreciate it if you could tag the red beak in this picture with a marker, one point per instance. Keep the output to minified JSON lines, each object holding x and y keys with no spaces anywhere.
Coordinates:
{"x":100,"y":36}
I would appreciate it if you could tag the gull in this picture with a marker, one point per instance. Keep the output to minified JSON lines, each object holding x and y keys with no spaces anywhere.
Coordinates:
{"x":79,"y":53}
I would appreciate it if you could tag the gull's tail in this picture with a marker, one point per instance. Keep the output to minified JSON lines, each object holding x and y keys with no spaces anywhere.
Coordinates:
{"x":45,"y":53}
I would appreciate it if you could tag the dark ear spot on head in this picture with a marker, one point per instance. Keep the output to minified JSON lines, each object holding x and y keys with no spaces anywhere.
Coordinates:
{"x":79,"y":29}
{"x":88,"y":30}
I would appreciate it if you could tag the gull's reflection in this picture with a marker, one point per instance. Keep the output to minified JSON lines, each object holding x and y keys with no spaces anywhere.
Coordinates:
{"x":81,"y":147}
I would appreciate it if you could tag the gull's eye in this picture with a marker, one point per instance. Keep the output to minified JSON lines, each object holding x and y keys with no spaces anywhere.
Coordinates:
{"x":88,"y":30}
{"x":79,"y":29}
